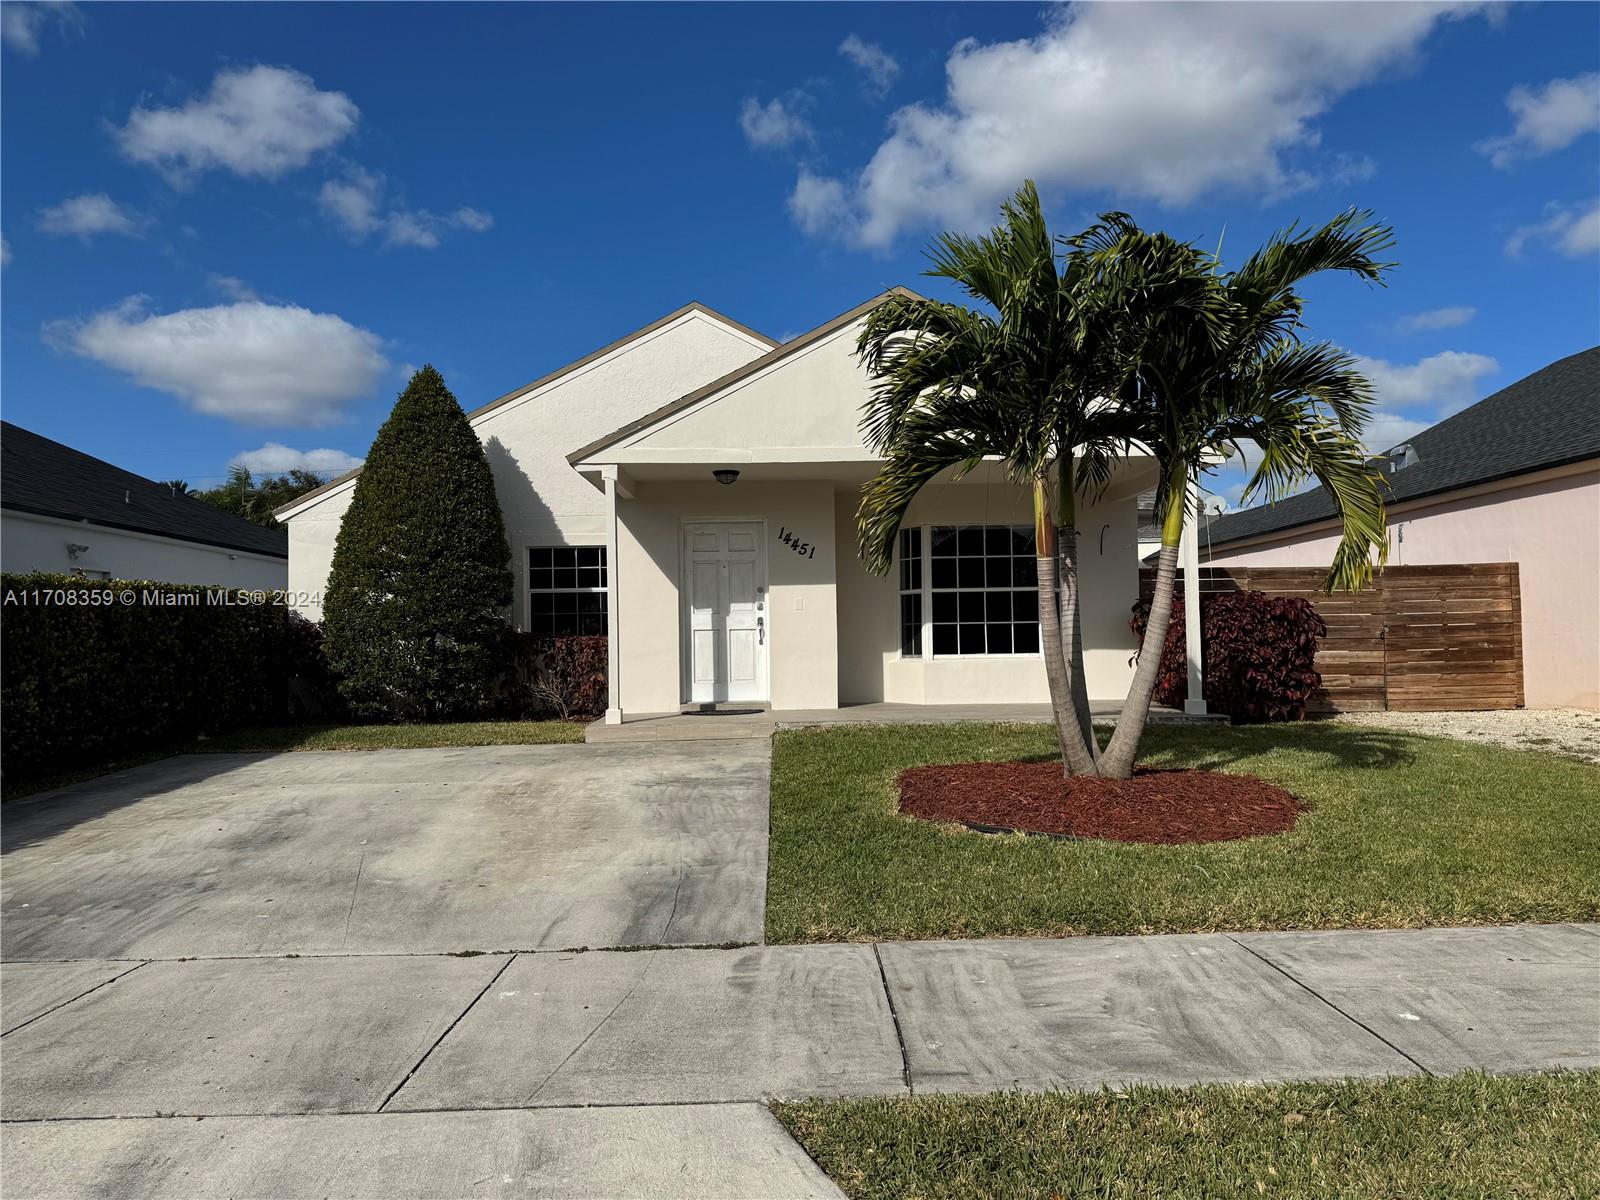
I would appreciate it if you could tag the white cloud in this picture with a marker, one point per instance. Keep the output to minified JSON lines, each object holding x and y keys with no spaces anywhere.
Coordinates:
{"x":1437,"y":318}
{"x":472,"y":219}
{"x":1573,"y":231}
{"x":775,"y":123}
{"x":258,"y":363}
{"x":1387,"y":430}
{"x":356,"y":205}
{"x":352,"y":202}
{"x":877,"y":65}
{"x":818,"y":203}
{"x":232,"y":287}
{"x":1165,"y":102}
{"x":87,"y":215}
{"x":1550,"y":118}
{"x":277,"y":459}
{"x":1445,"y":380}
{"x":256,"y":122}
{"x":22,"y":23}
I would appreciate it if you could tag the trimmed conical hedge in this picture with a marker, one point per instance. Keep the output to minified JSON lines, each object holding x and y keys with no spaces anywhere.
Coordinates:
{"x":414,"y":612}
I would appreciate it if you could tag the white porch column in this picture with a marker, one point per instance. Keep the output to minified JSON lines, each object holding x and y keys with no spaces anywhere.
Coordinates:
{"x":613,"y":607}
{"x":1189,"y":557}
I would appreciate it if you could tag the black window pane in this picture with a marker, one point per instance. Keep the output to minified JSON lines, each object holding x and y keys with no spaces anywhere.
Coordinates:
{"x":999,"y":639}
{"x":1025,"y":572}
{"x":969,"y":541}
{"x":971,"y":639}
{"x":911,"y":626}
{"x":971,"y":606}
{"x":944,"y":639}
{"x":1029,"y":546}
{"x":564,"y":577}
{"x":592,"y":623}
{"x":943,"y":541}
{"x":1025,"y":638}
{"x":997,"y":540}
{"x":539,"y":556}
{"x":944,"y":572}
{"x":997,"y":572}
{"x":970,"y":572}
{"x":539,"y":578}
{"x":1025,"y":606}
{"x":539,"y":603}
{"x":997,"y":606}
{"x":944,"y":606}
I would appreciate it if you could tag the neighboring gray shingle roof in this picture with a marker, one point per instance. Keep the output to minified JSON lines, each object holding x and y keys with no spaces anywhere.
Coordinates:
{"x":1549,"y":419}
{"x":40,"y":476}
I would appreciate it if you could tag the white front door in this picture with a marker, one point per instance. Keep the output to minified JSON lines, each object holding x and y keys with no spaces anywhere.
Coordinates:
{"x":725,"y":611}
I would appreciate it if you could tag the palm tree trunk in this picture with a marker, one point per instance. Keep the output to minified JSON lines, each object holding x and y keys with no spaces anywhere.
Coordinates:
{"x":1123,"y":748}
{"x":1071,"y":611}
{"x":1075,"y":756}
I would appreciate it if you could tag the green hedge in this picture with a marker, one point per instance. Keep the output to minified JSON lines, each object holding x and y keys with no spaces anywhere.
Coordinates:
{"x":87,"y":673}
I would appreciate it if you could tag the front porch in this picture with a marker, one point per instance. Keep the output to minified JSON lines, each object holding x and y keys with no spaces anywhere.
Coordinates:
{"x":714,"y":725}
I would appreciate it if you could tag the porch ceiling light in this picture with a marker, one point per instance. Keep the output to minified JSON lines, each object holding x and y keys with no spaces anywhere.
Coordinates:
{"x":725,"y":476}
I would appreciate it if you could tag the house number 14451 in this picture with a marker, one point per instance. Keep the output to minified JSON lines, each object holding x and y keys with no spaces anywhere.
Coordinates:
{"x":804,"y":549}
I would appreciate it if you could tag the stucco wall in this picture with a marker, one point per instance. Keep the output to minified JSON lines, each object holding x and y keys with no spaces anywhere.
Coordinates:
{"x":34,"y":543}
{"x":870,"y":666}
{"x":543,"y":500}
{"x":803,"y":648}
{"x":818,"y":390}
{"x":1548,"y":525}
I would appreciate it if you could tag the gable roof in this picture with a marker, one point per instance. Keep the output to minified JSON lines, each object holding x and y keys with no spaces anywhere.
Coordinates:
{"x":694,"y":306}
{"x":777,"y":354}
{"x":1549,"y":419}
{"x":44,"y":477}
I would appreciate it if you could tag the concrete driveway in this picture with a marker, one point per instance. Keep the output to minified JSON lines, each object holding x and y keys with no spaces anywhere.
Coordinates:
{"x":393,"y":852}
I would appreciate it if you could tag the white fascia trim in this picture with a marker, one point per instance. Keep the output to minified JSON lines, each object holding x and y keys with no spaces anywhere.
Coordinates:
{"x":312,"y":502}
{"x":543,"y":389}
{"x":732,"y":389}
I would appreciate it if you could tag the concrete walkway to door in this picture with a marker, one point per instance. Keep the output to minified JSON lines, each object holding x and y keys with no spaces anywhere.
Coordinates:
{"x":734,"y":721}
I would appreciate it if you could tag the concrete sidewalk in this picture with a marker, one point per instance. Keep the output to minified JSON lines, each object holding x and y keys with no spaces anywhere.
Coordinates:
{"x":449,"y":1055}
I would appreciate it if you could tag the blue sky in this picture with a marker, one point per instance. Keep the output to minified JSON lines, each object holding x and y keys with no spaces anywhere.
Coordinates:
{"x":232,"y":229}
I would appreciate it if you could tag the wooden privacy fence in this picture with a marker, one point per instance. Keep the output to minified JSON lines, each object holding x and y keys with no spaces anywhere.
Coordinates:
{"x":1419,"y":639}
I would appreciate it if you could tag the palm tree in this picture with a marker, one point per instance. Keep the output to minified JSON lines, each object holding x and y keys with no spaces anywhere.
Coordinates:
{"x":1210,"y":360}
{"x":957,"y":386}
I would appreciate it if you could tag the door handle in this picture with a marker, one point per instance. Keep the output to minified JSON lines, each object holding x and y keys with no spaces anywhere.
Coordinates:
{"x":761,"y":631}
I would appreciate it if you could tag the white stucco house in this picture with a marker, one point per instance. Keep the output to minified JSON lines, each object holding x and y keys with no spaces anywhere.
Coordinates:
{"x":691,"y":489}
{"x":66,"y":511}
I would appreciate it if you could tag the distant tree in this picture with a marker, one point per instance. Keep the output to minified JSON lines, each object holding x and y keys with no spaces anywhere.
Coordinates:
{"x":414,"y":611}
{"x":255,"y":499}
{"x":180,"y":487}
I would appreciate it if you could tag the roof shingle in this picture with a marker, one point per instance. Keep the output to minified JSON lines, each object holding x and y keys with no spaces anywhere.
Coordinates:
{"x":1549,"y":419}
{"x":40,"y":476}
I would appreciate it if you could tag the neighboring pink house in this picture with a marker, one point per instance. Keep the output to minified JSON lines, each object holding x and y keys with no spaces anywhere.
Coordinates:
{"x":1514,"y":478}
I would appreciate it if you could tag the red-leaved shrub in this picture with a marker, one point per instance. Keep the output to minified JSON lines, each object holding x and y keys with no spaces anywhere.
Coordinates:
{"x":561,"y":676}
{"x":1259,"y":655}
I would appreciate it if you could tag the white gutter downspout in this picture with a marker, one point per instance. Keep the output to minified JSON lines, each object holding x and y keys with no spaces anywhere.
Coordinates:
{"x":1194,"y":702}
{"x":613,"y":606}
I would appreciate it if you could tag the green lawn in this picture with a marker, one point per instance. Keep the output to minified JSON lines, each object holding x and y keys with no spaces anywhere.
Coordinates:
{"x":1402,"y":831}
{"x":272,"y":738}
{"x":1464,"y":1136}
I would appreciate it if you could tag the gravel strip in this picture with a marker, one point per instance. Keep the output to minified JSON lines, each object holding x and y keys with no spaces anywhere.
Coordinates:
{"x":1573,"y":732}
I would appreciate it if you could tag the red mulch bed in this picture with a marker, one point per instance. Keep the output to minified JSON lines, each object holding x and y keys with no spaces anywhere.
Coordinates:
{"x":1155,"y":807}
